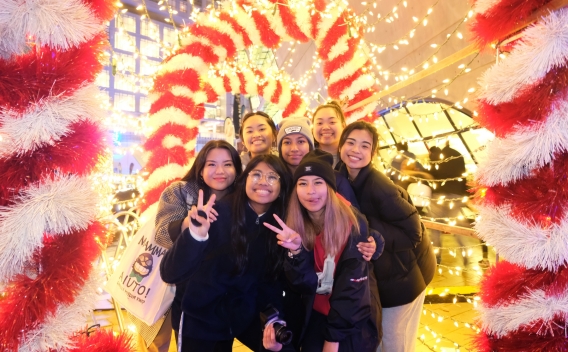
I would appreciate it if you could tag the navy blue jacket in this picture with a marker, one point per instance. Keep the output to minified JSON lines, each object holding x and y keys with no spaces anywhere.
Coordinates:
{"x":354,"y":319}
{"x":218,"y":304}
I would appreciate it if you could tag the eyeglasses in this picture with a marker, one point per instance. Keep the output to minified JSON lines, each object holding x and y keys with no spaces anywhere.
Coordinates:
{"x":270,"y":177}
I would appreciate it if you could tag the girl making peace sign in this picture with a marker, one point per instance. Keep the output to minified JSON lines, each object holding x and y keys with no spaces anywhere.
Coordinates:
{"x":321,"y":234}
{"x":230,"y":265}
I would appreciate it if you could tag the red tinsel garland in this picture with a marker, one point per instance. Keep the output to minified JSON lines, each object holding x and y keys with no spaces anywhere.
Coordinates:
{"x":210,"y":92}
{"x":277,"y":93}
{"x":338,"y":29}
{"x":242,"y":82}
{"x":168,"y":99}
{"x":498,"y":21}
{"x":542,"y":197}
{"x":102,"y":9}
{"x":540,"y":336}
{"x":294,"y":104}
{"x":507,"y":282}
{"x":64,"y":263}
{"x":531,"y":106}
{"x":44,"y":72}
{"x":292,"y":29}
{"x":216,"y":37}
{"x":268,"y":37}
{"x":362,"y":95}
{"x":173,"y":129}
{"x":331,"y":66}
{"x":76,"y":153}
{"x":335,"y":89}
{"x":201,"y":50}
{"x":103,"y":341}
{"x":236,"y":27}
{"x":163,"y":156}
{"x":188,"y":78}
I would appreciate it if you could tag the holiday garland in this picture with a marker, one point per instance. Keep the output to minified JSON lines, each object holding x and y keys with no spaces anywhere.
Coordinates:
{"x":52,"y":138}
{"x":198,"y":73}
{"x":523,"y":192}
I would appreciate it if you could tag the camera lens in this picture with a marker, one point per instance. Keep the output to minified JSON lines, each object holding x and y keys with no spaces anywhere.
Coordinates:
{"x":282,"y":334}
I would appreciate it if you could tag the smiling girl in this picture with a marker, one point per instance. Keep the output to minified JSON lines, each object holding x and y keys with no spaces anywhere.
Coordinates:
{"x":321,"y":233}
{"x":258,"y":134}
{"x":408,"y":263}
{"x":329,"y":122}
{"x":230,"y":266}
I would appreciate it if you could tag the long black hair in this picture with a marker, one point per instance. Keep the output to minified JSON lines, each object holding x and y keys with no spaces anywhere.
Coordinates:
{"x":268,"y":120}
{"x":194,"y":173}
{"x":239,"y":237}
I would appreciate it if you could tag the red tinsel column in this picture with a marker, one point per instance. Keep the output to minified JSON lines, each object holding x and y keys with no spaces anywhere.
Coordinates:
{"x":524,"y":185}
{"x":51,"y":138}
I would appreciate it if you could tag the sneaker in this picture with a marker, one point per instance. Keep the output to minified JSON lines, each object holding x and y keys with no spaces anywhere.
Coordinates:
{"x":484,"y":263}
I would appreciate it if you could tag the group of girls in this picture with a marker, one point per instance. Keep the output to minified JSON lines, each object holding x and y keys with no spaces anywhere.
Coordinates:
{"x":292,"y":232}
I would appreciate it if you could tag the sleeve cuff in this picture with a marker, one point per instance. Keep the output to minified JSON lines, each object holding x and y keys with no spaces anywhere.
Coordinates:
{"x":197,"y":238}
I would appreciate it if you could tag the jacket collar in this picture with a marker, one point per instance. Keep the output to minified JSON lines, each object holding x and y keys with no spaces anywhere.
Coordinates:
{"x":359,"y":181}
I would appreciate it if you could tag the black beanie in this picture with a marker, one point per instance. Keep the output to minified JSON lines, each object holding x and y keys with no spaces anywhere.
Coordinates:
{"x":317,"y":163}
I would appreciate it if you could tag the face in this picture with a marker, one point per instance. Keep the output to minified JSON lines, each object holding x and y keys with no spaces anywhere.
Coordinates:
{"x":312,"y":193}
{"x":356,"y":153}
{"x":294,"y":147}
{"x":219,"y":171}
{"x":257,"y":135}
{"x":327,"y":127}
{"x":259,"y":189}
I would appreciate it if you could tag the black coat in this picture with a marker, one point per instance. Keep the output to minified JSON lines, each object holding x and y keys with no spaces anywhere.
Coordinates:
{"x":354,"y":318}
{"x":408,"y":263}
{"x":218,"y":304}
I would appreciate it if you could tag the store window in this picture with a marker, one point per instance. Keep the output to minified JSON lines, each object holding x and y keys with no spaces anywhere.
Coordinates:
{"x":124,"y":82}
{"x":126,"y":22}
{"x":125,"y":62}
{"x":170,"y":36}
{"x":149,"y":48}
{"x":183,"y":6}
{"x":124,"y":41}
{"x":150,"y":29}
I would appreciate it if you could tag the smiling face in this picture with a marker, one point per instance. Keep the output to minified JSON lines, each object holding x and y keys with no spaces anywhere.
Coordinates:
{"x":312,"y":194}
{"x":257,"y":135}
{"x":219,"y":171}
{"x":357,"y":151}
{"x":293,"y":148}
{"x":327,"y":127}
{"x":259,"y":191}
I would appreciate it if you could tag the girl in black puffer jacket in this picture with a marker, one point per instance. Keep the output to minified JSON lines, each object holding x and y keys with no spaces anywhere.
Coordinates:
{"x":408,"y":262}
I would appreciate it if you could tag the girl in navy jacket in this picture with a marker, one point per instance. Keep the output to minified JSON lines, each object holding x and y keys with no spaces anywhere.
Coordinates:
{"x":324,"y":264}
{"x":230,"y":265}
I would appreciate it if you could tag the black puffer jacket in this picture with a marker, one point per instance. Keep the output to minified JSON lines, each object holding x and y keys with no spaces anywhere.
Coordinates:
{"x":354,"y":318}
{"x":408,"y":262}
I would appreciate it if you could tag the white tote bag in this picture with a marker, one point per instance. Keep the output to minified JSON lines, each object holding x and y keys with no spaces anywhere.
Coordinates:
{"x":136,"y":283}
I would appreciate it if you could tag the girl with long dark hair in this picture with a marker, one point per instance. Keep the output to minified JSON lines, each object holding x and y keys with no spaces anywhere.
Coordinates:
{"x":230,"y":266}
{"x":408,"y":263}
{"x":321,"y":234}
{"x":215,"y":170}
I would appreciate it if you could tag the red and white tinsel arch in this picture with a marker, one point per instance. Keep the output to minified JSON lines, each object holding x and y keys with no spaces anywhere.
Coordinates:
{"x":523,"y":199}
{"x":195,"y":74}
{"x":51,"y":138}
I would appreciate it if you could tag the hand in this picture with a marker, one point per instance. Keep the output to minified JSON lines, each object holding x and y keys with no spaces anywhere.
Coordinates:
{"x":367,"y":248}
{"x":330,"y":346}
{"x":287,"y":237}
{"x":205,"y":222}
{"x":269,"y":339}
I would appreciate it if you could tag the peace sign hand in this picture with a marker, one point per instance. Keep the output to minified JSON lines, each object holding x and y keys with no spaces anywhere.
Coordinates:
{"x":287,"y":237}
{"x":200,"y":216}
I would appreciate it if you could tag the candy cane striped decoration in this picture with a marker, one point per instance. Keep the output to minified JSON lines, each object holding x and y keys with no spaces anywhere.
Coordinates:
{"x":215,"y":38}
